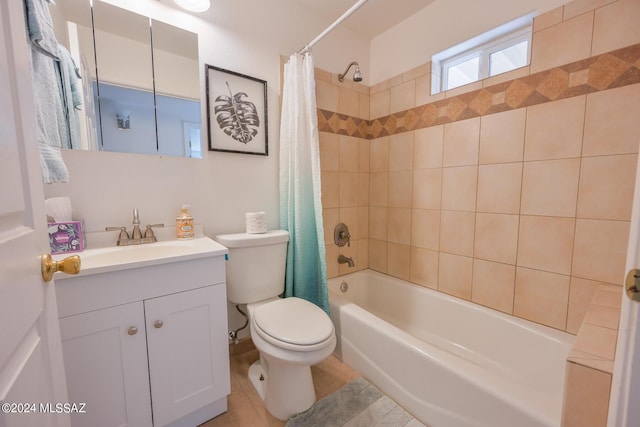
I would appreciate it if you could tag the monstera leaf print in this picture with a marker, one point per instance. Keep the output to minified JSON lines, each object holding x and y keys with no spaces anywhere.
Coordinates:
{"x":237,"y":117}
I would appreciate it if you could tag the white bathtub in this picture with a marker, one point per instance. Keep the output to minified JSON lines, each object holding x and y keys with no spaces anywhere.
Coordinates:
{"x":449,"y":362}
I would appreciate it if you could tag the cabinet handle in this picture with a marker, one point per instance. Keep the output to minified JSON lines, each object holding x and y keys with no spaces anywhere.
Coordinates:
{"x":158,"y":324}
{"x":132,"y":330}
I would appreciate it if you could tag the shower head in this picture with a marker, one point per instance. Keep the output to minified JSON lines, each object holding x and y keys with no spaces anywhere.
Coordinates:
{"x":357,"y":75}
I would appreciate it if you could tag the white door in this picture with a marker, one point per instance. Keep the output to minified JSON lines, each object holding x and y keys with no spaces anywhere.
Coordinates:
{"x":188,"y":367}
{"x":31,"y":368}
{"x":624,"y":409}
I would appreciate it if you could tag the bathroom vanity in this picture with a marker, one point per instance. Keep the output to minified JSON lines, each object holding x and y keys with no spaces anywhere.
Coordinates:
{"x":144,"y":334}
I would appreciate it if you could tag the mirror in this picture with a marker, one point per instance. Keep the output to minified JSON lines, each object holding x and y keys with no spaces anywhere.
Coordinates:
{"x":142,"y":84}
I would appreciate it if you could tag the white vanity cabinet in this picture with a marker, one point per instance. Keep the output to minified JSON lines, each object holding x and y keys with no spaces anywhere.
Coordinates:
{"x":147,"y":346}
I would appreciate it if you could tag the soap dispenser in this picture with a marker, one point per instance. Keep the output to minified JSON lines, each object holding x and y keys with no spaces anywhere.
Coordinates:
{"x":184,"y":224}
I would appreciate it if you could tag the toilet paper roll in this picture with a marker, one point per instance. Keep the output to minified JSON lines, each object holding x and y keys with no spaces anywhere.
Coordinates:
{"x":256,"y":222}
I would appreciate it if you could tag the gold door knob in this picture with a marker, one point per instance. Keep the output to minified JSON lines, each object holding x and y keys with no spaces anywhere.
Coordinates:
{"x":69,"y":265}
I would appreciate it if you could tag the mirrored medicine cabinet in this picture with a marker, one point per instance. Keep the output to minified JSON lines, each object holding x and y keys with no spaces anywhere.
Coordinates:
{"x":138,"y":83}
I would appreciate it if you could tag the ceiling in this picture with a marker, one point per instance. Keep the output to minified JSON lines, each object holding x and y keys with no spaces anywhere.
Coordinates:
{"x":373,"y":18}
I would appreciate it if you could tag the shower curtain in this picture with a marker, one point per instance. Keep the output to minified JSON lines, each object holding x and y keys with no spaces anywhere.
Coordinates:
{"x":300,"y":204}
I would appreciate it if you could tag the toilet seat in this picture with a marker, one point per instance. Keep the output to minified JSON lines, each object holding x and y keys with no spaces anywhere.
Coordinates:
{"x":293,"y":323}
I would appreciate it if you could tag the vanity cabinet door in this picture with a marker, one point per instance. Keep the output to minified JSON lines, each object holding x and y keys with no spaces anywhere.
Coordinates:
{"x":105,"y":358}
{"x":188,"y":352}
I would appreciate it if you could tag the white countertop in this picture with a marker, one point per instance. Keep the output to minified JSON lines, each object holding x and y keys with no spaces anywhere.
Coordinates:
{"x":114,"y":258}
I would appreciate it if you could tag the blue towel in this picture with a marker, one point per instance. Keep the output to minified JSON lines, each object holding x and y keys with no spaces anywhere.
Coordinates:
{"x":71,"y":96}
{"x":52,"y":127}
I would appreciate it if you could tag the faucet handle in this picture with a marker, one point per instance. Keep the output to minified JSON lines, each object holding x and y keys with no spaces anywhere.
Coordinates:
{"x":148,"y":233}
{"x":123,"y":237}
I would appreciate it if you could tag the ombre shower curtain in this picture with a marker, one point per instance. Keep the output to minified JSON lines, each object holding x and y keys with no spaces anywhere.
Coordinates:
{"x":300,"y":194}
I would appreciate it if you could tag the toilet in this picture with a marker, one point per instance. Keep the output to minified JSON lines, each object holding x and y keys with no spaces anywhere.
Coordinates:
{"x":291,"y":334}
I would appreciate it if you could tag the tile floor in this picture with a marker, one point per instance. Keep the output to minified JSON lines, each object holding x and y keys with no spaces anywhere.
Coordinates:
{"x":245,"y":409}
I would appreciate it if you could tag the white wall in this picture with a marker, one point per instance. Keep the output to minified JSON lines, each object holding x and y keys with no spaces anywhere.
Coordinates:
{"x":440,"y":25}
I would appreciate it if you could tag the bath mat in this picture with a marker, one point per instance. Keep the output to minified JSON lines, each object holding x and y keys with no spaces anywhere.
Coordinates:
{"x":357,"y":404}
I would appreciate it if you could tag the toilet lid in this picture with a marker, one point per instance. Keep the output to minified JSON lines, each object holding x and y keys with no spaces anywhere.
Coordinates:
{"x":294,"y":321}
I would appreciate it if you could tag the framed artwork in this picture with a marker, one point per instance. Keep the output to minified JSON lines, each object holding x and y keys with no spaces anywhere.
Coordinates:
{"x":236,"y":112}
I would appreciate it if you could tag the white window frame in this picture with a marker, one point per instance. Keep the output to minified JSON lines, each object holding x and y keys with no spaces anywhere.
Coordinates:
{"x":482,"y":46}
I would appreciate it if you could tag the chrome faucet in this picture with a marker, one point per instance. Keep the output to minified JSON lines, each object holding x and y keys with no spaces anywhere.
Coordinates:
{"x":136,"y":237}
{"x":346,"y":260}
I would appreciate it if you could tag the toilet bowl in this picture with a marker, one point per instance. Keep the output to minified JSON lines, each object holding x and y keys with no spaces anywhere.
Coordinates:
{"x":291,"y":334}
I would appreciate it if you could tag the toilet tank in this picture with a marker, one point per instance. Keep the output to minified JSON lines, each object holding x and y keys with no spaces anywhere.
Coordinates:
{"x":256,"y":265}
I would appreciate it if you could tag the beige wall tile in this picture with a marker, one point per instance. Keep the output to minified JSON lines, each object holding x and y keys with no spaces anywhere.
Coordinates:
{"x":399,"y":261}
{"x":457,"y":232}
{"x":327,"y":96}
{"x":459,"y":188}
{"x":427,"y":147}
{"x":550,"y":187}
{"x":399,"y":226}
{"x":560,"y":44}
{"x":379,"y":189}
{"x":546,"y":243}
{"x":363,"y":254}
{"x":348,"y":102}
{"x":493,"y":285}
{"x":423,"y":90}
{"x":502,"y":137}
{"x":329,"y":151}
{"x":330,"y":218}
{"x":424,"y":267}
{"x":427,"y":189}
{"x":454,"y":275}
{"x":463,"y":89}
{"x":331,"y":256}
{"x":611,"y":122}
{"x":548,"y":19}
{"x":554,"y":129}
{"x":600,"y":250}
{"x":505,"y":77}
{"x":330,"y":182}
{"x":499,"y":188}
{"x":378,"y":255}
{"x":400,"y":189}
{"x":606,"y":187}
{"x":610,"y":295}
{"x":596,"y":340}
{"x":616,"y":26}
{"x":378,"y":221}
{"x":365,"y":104}
{"x":416,"y":72}
{"x":578,"y":7}
{"x":580,"y":296}
{"x":348,"y":189}
{"x":425,"y":229}
{"x":402,"y":97}
{"x":380,"y":104}
{"x":496,"y":237}
{"x":363,"y":189}
{"x":401,"y":151}
{"x":586,"y":398}
{"x":349,"y":149}
{"x":363,"y":222}
{"x":379,"y":154}
{"x":603,"y":315}
{"x":541,"y":297}
{"x":363,"y":155}
{"x":461,"y":143}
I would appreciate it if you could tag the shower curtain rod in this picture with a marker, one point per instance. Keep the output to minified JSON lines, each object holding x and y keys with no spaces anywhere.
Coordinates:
{"x":338,"y":21}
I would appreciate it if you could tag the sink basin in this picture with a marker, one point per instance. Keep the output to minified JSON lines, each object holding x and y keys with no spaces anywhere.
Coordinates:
{"x":102,"y":260}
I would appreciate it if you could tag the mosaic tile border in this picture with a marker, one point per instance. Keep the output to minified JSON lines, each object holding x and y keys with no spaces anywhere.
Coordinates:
{"x":610,"y":70}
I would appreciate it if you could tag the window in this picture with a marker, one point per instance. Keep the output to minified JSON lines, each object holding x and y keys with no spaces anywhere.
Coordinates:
{"x":497,"y":51}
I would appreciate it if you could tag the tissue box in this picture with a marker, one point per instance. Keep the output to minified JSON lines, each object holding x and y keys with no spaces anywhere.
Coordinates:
{"x":66,"y":237}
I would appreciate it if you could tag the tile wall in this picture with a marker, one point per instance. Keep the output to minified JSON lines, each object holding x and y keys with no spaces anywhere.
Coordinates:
{"x":514,"y":192}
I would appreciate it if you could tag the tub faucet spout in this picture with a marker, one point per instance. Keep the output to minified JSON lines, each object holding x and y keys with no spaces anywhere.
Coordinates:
{"x":346,"y":260}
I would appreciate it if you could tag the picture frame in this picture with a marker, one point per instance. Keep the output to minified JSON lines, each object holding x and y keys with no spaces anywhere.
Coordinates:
{"x":236,"y":112}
